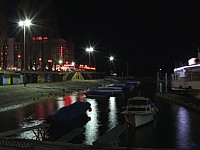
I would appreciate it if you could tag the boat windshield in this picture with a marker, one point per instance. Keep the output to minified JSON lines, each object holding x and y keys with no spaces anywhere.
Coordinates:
{"x":138,"y":102}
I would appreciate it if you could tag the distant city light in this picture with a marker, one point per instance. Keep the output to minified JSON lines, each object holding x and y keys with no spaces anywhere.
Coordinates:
{"x":39,"y":38}
{"x":60,"y":61}
{"x":86,"y":67}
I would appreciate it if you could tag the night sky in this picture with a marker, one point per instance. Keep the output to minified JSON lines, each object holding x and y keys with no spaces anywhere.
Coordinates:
{"x":143,"y":35}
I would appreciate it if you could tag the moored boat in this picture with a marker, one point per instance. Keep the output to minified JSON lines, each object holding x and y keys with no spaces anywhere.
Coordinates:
{"x":139,"y":111}
{"x":107,"y":91}
{"x":69,"y":113}
{"x":103,"y":92}
{"x":186,"y":78}
{"x":126,"y":84}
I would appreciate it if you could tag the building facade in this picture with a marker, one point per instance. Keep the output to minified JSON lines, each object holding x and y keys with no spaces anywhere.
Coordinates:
{"x":41,"y":54}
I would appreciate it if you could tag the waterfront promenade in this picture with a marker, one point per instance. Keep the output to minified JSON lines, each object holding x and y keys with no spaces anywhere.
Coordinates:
{"x":12,"y":96}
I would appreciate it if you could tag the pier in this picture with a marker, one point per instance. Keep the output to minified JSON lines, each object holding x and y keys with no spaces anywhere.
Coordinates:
{"x":40,"y":131}
{"x":108,"y":139}
{"x":184,"y":100}
{"x":69,"y":136}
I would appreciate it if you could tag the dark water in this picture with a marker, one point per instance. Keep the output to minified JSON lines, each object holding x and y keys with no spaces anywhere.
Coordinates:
{"x":175,"y":126}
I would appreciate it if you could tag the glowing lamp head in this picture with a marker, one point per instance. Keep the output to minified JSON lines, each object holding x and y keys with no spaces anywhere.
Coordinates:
{"x":60,"y":61}
{"x":111,"y":58}
{"x":90,"y":49}
{"x":26,"y":22}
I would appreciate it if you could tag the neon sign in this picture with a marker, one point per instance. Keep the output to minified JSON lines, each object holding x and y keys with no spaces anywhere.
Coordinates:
{"x":39,"y":38}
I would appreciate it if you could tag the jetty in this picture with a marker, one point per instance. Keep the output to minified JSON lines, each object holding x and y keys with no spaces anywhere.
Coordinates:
{"x":184,"y":100}
{"x":109,"y":138}
{"x":40,"y":131}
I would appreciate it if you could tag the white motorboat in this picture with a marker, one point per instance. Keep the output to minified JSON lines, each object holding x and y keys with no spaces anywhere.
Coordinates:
{"x":139,"y":111}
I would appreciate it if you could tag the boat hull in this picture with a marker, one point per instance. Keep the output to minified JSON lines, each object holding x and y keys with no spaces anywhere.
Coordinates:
{"x":137,"y":120}
{"x":139,"y":111}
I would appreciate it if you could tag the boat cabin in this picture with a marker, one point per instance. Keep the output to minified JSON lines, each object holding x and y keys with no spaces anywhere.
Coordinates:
{"x":186,"y":77}
{"x":139,"y":104}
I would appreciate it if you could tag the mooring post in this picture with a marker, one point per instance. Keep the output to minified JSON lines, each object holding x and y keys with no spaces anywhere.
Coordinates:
{"x":158,"y":80}
{"x":166,"y":84}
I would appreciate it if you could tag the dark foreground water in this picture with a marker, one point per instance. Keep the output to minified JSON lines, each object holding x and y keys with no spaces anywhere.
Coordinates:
{"x":175,"y":126}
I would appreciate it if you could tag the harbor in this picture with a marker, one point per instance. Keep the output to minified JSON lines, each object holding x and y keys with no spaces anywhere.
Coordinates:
{"x":124,"y":137}
{"x":111,"y":76}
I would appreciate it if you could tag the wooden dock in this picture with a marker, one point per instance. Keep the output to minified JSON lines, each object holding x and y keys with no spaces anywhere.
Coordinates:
{"x":69,"y":136}
{"x":109,"y":139}
{"x":40,"y":134}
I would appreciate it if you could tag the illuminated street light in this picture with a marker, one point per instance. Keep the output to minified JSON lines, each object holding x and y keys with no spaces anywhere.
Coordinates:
{"x":24,"y":24}
{"x":111,"y":60}
{"x":89,"y":50}
{"x":60,"y":62}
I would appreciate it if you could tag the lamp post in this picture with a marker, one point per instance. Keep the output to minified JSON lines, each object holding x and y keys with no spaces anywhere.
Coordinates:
{"x":111,"y":59}
{"x":24,"y":24}
{"x":89,"y":50}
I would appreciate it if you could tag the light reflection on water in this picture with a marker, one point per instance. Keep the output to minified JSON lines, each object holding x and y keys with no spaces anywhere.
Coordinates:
{"x":97,"y":121}
{"x":175,"y":126}
{"x":35,"y":114}
{"x":29,"y":134}
{"x":183,"y":129}
{"x":112,"y":115}
{"x":91,"y":128}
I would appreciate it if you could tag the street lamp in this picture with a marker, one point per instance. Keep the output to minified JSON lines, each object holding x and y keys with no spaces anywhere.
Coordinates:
{"x":111,"y":59}
{"x":24,"y":24}
{"x":89,"y":50}
{"x":60,"y":62}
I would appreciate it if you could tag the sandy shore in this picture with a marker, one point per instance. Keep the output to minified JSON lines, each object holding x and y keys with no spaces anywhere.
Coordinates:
{"x":12,"y":96}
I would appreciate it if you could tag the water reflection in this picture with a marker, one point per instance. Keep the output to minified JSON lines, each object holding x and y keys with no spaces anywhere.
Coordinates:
{"x":183,"y":129}
{"x":112,"y":115}
{"x":103,"y":118}
{"x":175,"y":126}
{"x":30,"y":134}
{"x":91,"y":128}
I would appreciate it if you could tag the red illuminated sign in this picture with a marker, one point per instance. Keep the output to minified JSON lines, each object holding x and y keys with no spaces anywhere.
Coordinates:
{"x":39,"y":38}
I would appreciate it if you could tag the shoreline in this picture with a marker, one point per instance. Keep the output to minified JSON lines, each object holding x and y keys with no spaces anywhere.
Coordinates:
{"x":15,"y":96}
